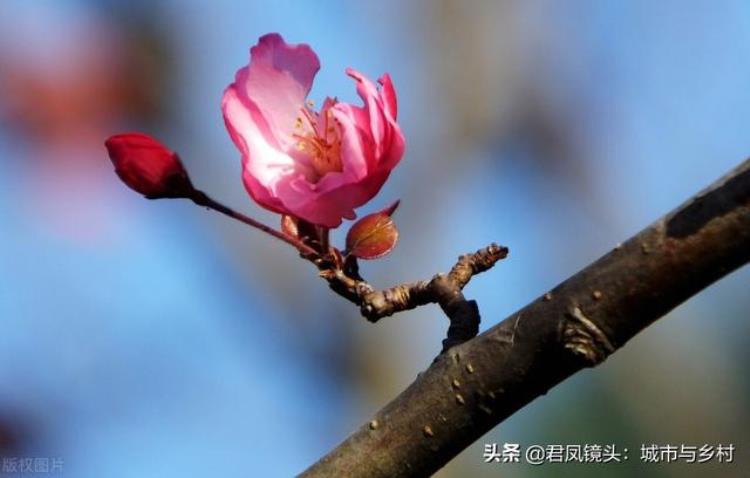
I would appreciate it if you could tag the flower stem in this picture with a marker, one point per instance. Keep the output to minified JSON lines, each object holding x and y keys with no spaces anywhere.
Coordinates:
{"x":202,"y":199}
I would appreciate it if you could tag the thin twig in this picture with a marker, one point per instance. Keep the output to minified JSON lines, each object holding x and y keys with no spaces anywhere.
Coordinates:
{"x":442,"y":289}
{"x":202,"y":199}
{"x":376,"y":304}
{"x":343,"y":274}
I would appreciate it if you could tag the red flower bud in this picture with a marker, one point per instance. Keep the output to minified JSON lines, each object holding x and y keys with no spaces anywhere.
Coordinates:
{"x":148,"y":167}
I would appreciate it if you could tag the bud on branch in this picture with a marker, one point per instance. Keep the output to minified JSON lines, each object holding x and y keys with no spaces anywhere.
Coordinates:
{"x":148,"y":167}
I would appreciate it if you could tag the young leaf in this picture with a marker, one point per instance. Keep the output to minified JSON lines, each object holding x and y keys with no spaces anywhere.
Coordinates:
{"x":374,"y":235}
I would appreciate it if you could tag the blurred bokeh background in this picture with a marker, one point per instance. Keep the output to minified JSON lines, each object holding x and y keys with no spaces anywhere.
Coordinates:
{"x":156,"y":339}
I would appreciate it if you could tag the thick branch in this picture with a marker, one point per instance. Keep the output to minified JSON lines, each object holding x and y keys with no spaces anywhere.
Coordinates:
{"x":578,"y":324}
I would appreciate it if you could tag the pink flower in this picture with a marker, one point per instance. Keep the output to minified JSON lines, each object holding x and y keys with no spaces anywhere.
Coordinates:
{"x":317,"y":166}
{"x":148,"y":166}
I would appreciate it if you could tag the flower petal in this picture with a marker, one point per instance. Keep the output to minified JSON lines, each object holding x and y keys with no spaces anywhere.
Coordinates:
{"x":388,"y":96}
{"x":356,"y":141}
{"x":380,"y":134}
{"x":327,"y":208}
{"x":277,"y":81}
{"x":367,"y":90}
{"x":261,"y":162}
{"x":395,"y":150}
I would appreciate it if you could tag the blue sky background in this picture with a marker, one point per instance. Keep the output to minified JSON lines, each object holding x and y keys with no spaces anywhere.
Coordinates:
{"x":156,"y":339}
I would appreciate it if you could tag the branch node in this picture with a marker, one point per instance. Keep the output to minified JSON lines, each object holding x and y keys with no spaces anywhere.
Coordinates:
{"x":584,"y":339}
{"x":444,"y":289}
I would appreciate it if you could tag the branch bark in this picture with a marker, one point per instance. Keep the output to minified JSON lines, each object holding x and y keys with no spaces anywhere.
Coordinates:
{"x":443,"y":289}
{"x":478,"y":384}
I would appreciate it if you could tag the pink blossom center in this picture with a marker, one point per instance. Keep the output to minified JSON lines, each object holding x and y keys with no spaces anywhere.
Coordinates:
{"x":318,"y":141}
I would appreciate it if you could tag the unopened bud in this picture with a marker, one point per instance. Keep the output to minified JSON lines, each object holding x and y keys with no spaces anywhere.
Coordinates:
{"x":148,"y":167}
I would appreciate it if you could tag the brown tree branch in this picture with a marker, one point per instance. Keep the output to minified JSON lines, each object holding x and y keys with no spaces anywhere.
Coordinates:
{"x":479,"y":383}
{"x":443,"y":289}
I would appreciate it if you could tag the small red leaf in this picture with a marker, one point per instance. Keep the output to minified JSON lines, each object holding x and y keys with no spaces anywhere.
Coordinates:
{"x":374,"y":235}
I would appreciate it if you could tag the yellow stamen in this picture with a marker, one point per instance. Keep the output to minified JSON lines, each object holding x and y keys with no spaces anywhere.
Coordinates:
{"x":321,"y":145}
